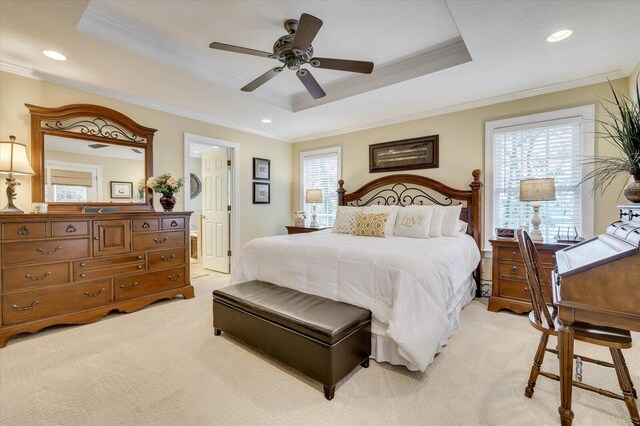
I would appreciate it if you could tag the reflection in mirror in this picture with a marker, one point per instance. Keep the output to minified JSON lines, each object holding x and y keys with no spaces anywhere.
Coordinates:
{"x":81,"y":171}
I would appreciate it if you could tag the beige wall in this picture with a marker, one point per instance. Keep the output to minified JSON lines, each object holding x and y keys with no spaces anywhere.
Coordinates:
{"x":255,"y":220}
{"x":462,"y":143}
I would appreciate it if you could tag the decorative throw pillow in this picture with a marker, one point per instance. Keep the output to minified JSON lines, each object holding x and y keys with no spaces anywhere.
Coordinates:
{"x":413,"y":222}
{"x":392,"y":211}
{"x":345,"y":219}
{"x":450,"y":220}
{"x":370,"y":224}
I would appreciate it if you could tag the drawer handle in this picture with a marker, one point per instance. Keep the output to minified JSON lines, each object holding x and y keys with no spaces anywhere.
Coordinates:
{"x":160,"y":241}
{"x":96,"y":238}
{"x":146,"y":225}
{"x":26,"y":308}
{"x":82,"y":275}
{"x":24,"y":230}
{"x":168,"y":259}
{"x":139,"y":257}
{"x":174,"y":223}
{"x":43,"y":251}
{"x":514,"y":270}
{"x":177,"y":277}
{"x":139,"y":267}
{"x":70,"y":229}
{"x":82,"y":264}
{"x":86,"y":293}
{"x":32,"y":278}
{"x":129,"y":288}
{"x":514,"y":254}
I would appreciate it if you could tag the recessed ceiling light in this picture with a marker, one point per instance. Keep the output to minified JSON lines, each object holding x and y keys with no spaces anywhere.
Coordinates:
{"x":559,"y":35}
{"x":54,"y":55}
{"x":266,"y":120}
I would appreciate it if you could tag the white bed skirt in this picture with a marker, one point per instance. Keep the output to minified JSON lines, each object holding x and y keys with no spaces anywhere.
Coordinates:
{"x":384,"y":349}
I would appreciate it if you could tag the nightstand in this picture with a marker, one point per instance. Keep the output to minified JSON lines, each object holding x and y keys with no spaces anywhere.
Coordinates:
{"x":302,"y":229}
{"x":509,"y":277}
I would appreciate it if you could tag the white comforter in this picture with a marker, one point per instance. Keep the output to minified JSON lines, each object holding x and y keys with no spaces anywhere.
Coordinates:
{"x":410,"y":285}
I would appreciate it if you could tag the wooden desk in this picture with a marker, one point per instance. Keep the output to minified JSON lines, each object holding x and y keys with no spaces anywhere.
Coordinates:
{"x":601,"y":290}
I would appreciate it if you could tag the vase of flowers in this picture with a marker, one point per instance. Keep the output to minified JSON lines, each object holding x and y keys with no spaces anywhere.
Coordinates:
{"x":166,"y":185}
{"x":142,"y":186}
{"x":621,"y":129}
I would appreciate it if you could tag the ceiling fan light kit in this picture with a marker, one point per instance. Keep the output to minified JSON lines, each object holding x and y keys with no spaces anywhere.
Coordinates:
{"x":294,"y":50}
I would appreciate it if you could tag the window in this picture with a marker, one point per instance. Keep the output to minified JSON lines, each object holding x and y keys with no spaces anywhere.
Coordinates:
{"x":320,"y":169}
{"x":549,"y":145}
{"x":72,"y":182}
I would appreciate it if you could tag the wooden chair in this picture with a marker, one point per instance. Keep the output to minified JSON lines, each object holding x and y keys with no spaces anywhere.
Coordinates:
{"x":543,"y":317}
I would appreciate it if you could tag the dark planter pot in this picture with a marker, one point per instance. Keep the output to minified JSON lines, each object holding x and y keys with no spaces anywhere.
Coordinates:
{"x":168,"y":201}
{"x":632,"y":191}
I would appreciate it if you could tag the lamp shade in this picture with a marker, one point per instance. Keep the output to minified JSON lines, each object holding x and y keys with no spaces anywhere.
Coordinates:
{"x":313,"y":196}
{"x":537,"y":190}
{"x":13,"y":158}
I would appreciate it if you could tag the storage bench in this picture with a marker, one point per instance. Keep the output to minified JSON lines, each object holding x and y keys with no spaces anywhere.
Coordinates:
{"x":319,"y":337}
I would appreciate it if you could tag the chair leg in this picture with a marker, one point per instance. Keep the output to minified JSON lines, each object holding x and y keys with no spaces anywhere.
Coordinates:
{"x":626,"y":370}
{"x":537,"y":363}
{"x":625,"y":385}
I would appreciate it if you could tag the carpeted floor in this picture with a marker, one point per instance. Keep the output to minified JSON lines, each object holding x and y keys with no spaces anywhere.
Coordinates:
{"x":163,"y":366}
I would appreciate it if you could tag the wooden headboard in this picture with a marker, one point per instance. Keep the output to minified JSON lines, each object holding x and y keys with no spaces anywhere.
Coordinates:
{"x":406,"y":189}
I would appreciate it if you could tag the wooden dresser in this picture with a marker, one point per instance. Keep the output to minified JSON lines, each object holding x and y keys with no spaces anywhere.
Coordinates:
{"x":509,"y":280}
{"x":75,"y":268}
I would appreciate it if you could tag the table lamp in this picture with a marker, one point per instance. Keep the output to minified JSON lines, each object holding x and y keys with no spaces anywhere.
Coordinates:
{"x":13,"y":160}
{"x":537,"y":190}
{"x":313,"y":197}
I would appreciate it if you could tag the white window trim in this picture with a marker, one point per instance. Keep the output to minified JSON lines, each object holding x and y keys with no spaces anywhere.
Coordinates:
{"x":94,"y":169}
{"x":317,"y":153}
{"x":587,"y":116}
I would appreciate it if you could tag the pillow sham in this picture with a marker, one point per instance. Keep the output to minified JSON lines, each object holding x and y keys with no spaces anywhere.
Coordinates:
{"x":450,"y":220}
{"x":413,"y":222}
{"x":462,"y":226}
{"x":392,"y":211}
{"x":371,"y":224}
{"x":345,"y":219}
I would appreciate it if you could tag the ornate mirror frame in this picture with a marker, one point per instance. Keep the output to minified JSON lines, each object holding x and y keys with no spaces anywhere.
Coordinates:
{"x":90,"y":123}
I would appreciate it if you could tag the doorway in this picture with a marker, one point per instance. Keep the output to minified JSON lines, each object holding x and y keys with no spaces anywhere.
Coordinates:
{"x":210,"y":166}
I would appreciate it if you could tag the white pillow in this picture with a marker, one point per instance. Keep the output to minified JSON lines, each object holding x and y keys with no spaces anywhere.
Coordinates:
{"x":462,"y":226}
{"x":450,"y":220}
{"x":345,"y":219}
{"x":413,"y":222}
{"x":392,"y":211}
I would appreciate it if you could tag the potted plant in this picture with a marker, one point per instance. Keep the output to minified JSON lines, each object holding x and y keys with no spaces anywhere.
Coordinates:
{"x":622,"y":129}
{"x":166,"y":185}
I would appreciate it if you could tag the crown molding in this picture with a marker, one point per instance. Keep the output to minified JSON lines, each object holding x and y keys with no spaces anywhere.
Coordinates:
{"x":613,"y":75}
{"x":124,"y":97}
{"x":633,"y":61}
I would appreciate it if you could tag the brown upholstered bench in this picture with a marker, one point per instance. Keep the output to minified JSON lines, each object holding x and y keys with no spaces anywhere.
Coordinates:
{"x":319,"y":337}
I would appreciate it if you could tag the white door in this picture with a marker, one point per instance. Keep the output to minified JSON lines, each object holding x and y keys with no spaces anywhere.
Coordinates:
{"x":215,"y":211}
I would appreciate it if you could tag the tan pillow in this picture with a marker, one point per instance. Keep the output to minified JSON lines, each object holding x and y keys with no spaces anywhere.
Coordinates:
{"x":345,"y":219}
{"x":370,"y":224}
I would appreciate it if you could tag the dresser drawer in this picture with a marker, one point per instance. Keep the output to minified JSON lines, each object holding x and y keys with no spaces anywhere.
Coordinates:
{"x":51,"y":301}
{"x":173,"y":223}
{"x":140,"y":285}
{"x":513,"y":254}
{"x":90,"y":274}
{"x":69,"y":229}
{"x":166,"y":258}
{"x":24,"y":231}
{"x":143,"y":225}
{"x":44,"y":251}
{"x":158,"y":240}
{"x":24,"y":277}
{"x":99,"y":263}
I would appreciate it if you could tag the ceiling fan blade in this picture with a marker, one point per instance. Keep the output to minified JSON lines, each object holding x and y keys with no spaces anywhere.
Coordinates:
{"x":308,"y":27}
{"x":342,"y":65}
{"x":311,"y":84}
{"x":262,"y":79}
{"x":238,"y":49}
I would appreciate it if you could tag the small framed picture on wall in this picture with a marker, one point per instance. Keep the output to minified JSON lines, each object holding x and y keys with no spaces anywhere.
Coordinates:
{"x":261,"y":193}
{"x":121,"y":189}
{"x":261,"y":169}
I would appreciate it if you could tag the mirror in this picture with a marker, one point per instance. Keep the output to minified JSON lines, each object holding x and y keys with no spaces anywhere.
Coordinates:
{"x":82,"y":171}
{"x":88,"y":155}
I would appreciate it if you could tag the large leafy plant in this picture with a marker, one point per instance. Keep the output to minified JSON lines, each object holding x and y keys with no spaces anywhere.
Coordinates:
{"x":621,"y":128}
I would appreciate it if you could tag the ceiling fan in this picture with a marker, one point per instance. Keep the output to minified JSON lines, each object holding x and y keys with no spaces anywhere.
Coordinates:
{"x":294,"y":50}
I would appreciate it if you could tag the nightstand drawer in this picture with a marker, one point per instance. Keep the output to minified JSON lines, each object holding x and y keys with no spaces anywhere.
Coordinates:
{"x":513,"y":254}
{"x":514,"y":289}
{"x":511,"y":271}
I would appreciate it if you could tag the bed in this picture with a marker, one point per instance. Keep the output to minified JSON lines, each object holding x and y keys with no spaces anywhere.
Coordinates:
{"x":415,"y":288}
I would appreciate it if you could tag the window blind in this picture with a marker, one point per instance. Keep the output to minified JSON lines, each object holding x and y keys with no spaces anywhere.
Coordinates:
{"x":549,"y":149}
{"x":320,"y":171}
{"x":70,"y":177}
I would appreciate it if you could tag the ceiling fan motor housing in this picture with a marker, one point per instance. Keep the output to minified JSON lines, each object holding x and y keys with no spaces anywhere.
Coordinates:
{"x":284,"y":52}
